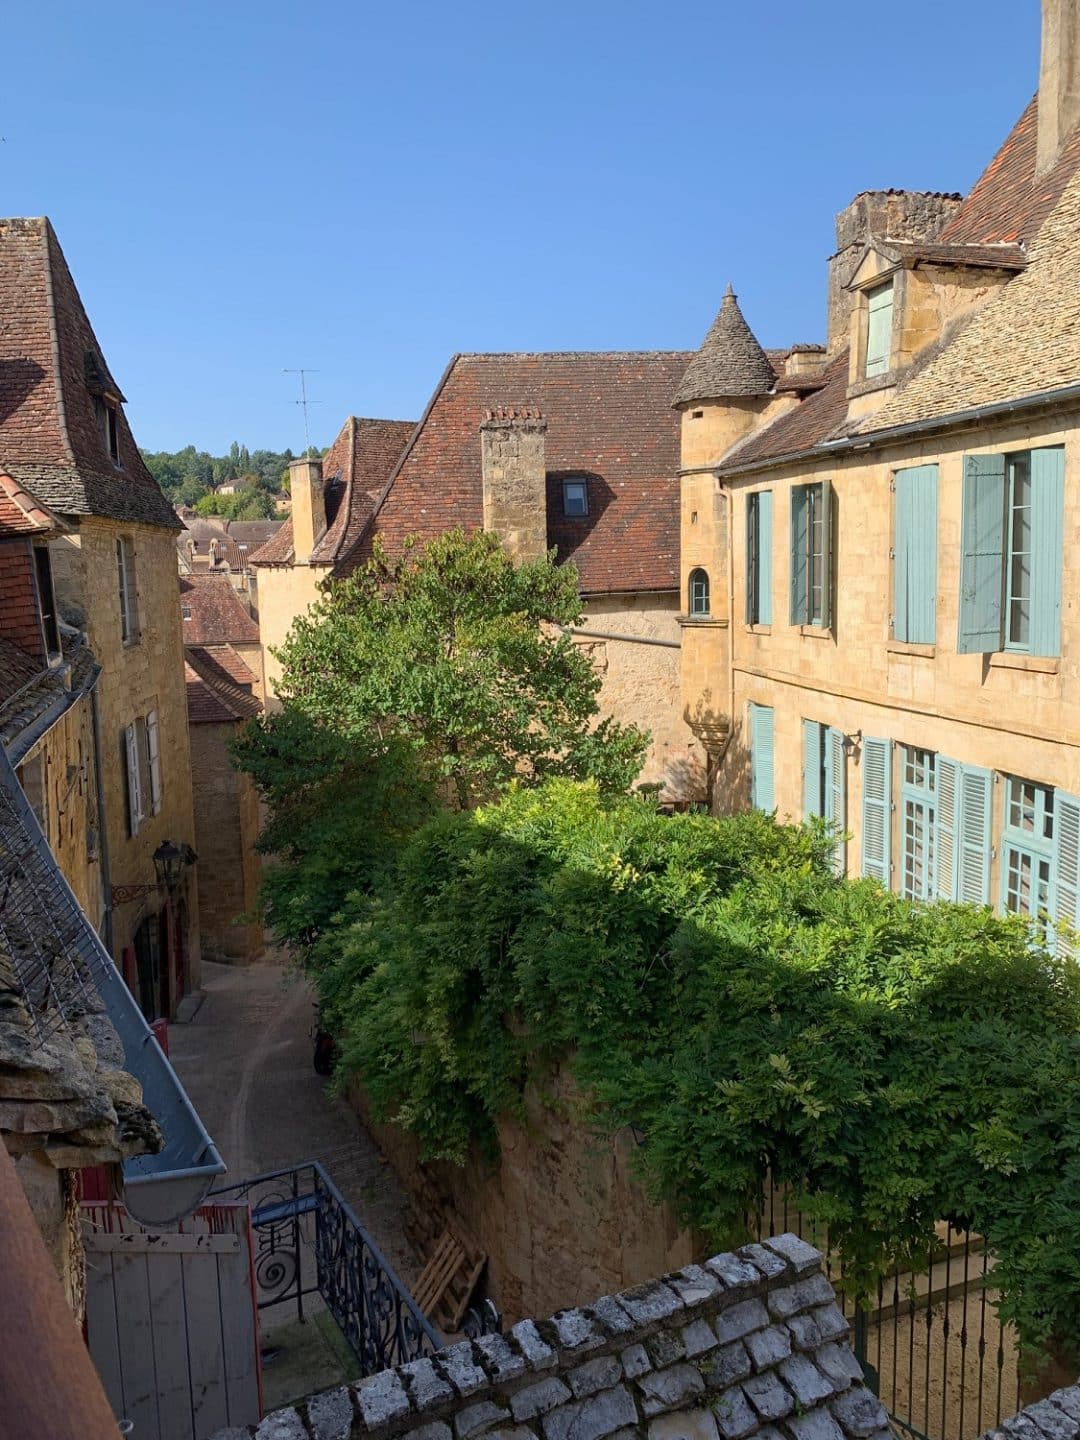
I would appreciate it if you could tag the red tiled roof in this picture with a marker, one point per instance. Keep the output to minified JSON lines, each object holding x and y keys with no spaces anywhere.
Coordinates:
{"x":51,"y":368}
{"x":1007,"y":203}
{"x":21,"y":513}
{"x":213,"y":700}
{"x":609,"y":418}
{"x":20,"y":617}
{"x":218,"y":615}
{"x":355,"y":469}
{"x":813,"y":420}
{"x":222,"y":660}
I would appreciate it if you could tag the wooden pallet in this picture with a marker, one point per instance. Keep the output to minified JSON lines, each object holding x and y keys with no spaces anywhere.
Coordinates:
{"x":448,"y":1280}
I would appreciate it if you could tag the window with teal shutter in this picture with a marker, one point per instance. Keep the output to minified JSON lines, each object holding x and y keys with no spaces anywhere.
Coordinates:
{"x":1065,"y":875}
{"x":825,"y":782}
{"x":879,"y":330}
{"x":811,"y":554}
{"x":762,"y":759}
{"x":915,"y":493}
{"x":1010,"y":579}
{"x":1027,"y":850}
{"x":877,"y":810}
{"x":918,"y":800}
{"x":759,"y":558}
{"x":963,"y":803}
{"x":813,"y":769}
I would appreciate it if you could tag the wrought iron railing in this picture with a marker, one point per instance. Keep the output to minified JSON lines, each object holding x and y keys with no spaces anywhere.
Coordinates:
{"x":308,"y":1241}
{"x":931,"y":1344}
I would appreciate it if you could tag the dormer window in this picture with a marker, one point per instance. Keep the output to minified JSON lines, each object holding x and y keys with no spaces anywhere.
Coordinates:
{"x":879,"y":329}
{"x":108,"y":423}
{"x":575,"y":498}
{"x":47,"y":601}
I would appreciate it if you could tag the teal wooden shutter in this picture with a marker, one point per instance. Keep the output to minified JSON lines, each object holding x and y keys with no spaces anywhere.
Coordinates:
{"x":799,"y":547}
{"x":752,"y":547}
{"x":915,"y":555}
{"x":946,"y":800}
{"x":762,"y":758}
{"x":973,"y":832}
{"x":836,"y":794}
{"x":1065,"y":880}
{"x":879,"y":330}
{"x":1047,"y":520}
{"x":828,"y":564}
{"x":764,"y":557}
{"x":982,"y":563}
{"x":813,"y":800}
{"x":877,"y":810}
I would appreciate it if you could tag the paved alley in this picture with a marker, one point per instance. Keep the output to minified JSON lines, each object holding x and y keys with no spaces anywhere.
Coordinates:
{"x":246,"y":1062}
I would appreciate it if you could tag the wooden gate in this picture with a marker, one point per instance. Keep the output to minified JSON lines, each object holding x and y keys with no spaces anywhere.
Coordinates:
{"x":171,"y":1320}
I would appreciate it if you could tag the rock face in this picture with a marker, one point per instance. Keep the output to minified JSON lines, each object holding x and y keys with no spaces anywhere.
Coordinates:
{"x":61,"y":1096}
{"x":706,"y":1353}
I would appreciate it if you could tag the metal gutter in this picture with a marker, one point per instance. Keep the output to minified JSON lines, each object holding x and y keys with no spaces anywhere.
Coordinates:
{"x":630,"y":639}
{"x":913,"y":429}
{"x":158,"y":1189}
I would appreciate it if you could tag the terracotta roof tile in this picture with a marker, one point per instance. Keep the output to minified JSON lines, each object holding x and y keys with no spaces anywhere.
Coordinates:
{"x":609,"y":418}
{"x":217,"y":614}
{"x":815,"y":419}
{"x":212,"y":699}
{"x":221,"y":660}
{"x":49,"y":436}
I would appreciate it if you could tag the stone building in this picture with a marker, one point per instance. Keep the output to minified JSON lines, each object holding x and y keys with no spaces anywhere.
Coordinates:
{"x":65,"y":439}
{"x":881,"y":618}
{"x":211,"y":545}
{"x":575,"y":452}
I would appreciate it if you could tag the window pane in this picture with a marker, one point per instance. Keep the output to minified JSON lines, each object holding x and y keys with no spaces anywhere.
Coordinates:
{"x":1019,"y":568}
{"x":575,"y":497}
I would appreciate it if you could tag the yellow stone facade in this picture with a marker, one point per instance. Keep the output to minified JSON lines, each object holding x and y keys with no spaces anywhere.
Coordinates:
{"x":144,"y":675}
{"x":285,"y":591}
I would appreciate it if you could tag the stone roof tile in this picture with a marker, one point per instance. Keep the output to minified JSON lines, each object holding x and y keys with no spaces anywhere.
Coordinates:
{"x":730,"y":361}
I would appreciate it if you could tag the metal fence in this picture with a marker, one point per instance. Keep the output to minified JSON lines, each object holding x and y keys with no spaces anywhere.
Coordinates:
{"x":309,"y":1242}
{"x":931,"y":1343}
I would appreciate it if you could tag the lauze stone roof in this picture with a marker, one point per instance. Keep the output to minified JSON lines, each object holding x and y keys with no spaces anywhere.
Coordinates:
{"x":749,"y":1344}
{"x":609,"y":420}
{"x":730,"y":361}
{"x":51,"y":368}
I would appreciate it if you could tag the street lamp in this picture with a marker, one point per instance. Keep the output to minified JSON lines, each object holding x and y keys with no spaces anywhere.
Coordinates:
{"x":170,"y":861}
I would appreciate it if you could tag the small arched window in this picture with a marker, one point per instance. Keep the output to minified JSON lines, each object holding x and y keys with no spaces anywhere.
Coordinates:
{"x":699,"y":592}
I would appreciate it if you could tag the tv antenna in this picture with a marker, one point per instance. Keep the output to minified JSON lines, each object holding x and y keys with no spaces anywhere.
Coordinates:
{"x":304,"y":401}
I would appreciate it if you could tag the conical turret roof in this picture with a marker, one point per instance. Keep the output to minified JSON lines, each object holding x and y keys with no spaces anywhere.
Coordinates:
{"x":730,"y":361}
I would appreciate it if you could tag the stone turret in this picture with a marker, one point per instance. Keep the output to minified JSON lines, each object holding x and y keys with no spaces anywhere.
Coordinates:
{"x":730,"y":361}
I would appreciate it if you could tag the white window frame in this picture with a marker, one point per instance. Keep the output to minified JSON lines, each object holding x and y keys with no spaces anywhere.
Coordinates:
{"x":128,"y":590}
{"x":136,"y":813}
{"x":153,"y":756}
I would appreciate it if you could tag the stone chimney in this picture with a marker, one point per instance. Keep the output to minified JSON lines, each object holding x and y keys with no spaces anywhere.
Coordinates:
{"x":308,"y":508}
{"x":878,"y":215}
{"x":514,"y":473}
{"x":1059,"y":80}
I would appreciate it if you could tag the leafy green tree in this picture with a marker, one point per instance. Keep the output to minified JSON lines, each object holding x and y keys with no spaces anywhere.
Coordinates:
{"x":458,"y":652}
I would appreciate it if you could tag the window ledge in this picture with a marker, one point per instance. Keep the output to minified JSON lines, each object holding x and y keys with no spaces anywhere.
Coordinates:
{"x":1036,"y":664}
{"x":702,"y":622}
{"x":756,"y":629}
{"x":885,"y":381}
{"x":908,"y":647}
{"x":817,"y":632}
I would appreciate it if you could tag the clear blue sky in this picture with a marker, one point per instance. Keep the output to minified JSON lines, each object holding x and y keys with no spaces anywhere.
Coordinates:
{"x":241,"y":187}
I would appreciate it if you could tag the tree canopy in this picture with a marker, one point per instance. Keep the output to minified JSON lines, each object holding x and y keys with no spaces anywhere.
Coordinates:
{"x":187,"y":475}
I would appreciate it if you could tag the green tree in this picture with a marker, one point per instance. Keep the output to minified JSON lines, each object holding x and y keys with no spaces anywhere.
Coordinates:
{"x":461,"y":654}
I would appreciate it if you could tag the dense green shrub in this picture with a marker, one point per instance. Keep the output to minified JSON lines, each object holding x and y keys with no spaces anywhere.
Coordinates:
{"x":712,"y":983}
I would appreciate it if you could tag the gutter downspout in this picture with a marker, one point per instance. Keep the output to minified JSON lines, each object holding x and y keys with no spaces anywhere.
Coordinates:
{"x":610,"y":635}
{"x":103,"y":834}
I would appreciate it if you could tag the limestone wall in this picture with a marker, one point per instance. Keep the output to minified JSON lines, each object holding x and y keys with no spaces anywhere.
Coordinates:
{"x":145,"y":675}
{"x":226,"y":827}
{"x":1011,"y":713}
{"x":562,"y":1217}
{"x":641,"y":684}
{"x":285,"y":591}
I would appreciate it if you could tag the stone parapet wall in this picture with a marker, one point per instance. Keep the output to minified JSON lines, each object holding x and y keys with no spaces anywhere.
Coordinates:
{"x":748,"y":1343}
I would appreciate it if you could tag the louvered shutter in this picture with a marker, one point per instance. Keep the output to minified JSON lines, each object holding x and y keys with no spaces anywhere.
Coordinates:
{"x":973,"y":832}
{"x":153,"y":755}
{"x":836,"y":794}
{"x":762,"y":759}
{"x":1066,"y":869}
{"x":764,"y":595}
{"x":799,"y":547}
{"x":1047,"y":520}
{"x":982,"y":563}
{"x":879,"y":330}
{"x":811,"y":770}
{"x":828,"y":565}
{"x":134,"y":779}
{"x":752,"y":548}
{"x":915,"y":555}
{"x":946,"y":800}
{"x":877,"y":810}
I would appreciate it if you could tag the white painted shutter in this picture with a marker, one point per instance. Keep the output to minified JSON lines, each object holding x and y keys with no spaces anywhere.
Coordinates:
{"x":153,"y":755}
{"x":134,"y":779}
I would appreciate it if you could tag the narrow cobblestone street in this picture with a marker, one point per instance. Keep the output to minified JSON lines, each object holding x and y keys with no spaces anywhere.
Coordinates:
{"x":246,"y":1061}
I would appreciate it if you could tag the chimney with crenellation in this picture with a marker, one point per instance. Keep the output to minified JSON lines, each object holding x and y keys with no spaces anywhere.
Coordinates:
{"x":1059,"y":80}
{"x":514,"y":469}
